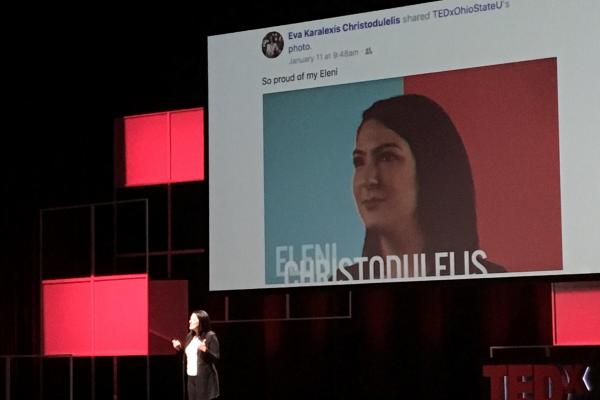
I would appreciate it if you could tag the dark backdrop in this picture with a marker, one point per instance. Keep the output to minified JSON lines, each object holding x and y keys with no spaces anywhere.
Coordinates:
{"x":70,"y":77}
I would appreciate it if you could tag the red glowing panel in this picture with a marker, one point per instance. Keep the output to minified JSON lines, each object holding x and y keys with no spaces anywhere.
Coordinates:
{"x":163,"y":147}
{"x":118,"y":315}
{"x":576,"y":307}
{"x":121,"y":315}
{"x":67,"y":316}
{"x":187,"y":145}
{"x":96,"y":316}
{"x":147,"y":149}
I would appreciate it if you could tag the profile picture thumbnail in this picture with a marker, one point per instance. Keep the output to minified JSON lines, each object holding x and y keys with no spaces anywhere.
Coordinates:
{"x":272,"y":44}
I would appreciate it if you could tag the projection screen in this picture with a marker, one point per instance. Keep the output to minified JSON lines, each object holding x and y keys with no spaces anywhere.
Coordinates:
{"x":447,"y":140}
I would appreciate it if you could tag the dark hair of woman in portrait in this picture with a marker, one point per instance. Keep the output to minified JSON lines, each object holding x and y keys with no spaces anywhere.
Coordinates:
{"x":201,"y":349}
{"x":412,"y":182}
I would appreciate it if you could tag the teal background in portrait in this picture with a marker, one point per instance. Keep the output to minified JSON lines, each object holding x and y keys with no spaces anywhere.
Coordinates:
{"x":308,"y":138}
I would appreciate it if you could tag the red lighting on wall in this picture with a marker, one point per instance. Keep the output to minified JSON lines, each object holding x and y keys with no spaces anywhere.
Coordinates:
{"x":147,"y":153}
{"x":187,"y":145}
{"x":112,"y":315}
{"x":576,"y":313}
{"x":67,"y":316}
{"x":120,"y":315}
{"x":162,"y":148}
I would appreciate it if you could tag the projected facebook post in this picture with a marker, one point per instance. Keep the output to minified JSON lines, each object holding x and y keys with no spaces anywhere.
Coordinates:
{"x":410,"y":144}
